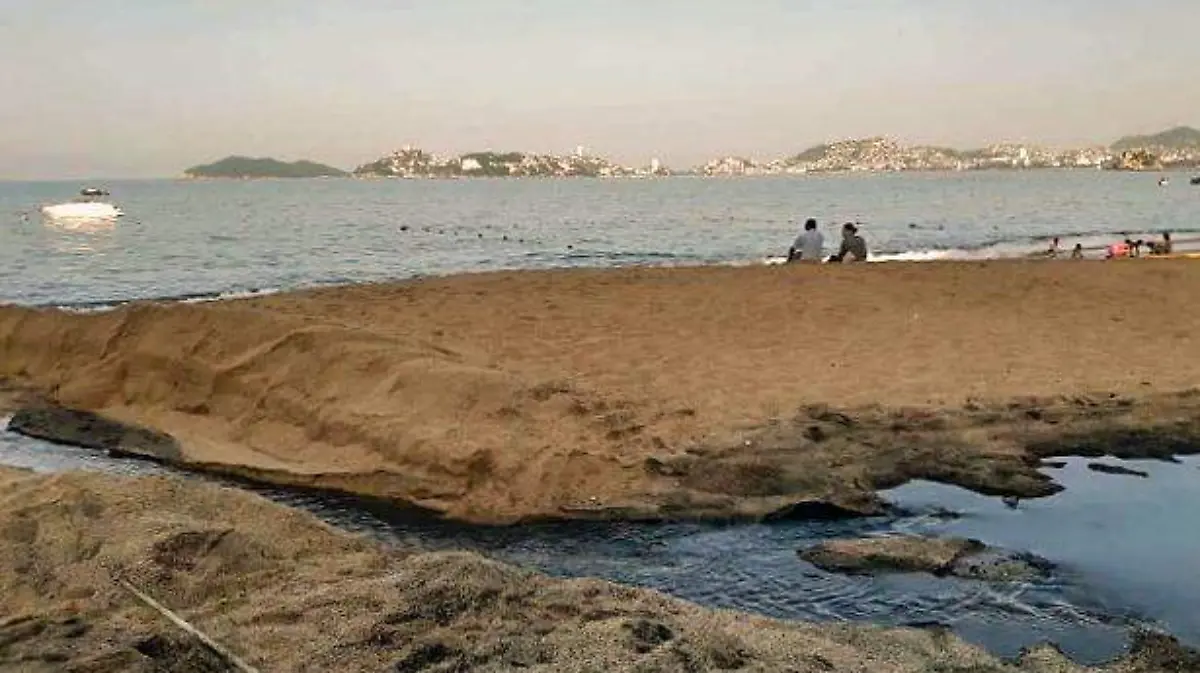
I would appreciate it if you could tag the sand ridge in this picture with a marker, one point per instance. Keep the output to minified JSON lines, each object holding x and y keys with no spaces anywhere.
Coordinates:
{"x":520,"y":394}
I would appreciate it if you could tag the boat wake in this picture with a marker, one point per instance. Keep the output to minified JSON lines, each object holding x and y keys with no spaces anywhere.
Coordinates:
{"x":86,"y":207}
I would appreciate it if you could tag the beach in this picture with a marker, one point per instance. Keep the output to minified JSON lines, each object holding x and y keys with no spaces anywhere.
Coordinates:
{"x":645,"y":393}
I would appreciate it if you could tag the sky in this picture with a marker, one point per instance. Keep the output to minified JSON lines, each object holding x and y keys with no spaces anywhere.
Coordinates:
{"x":146,"y":88}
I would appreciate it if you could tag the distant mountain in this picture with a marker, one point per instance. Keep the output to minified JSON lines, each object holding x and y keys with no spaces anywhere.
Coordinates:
{"x":1181,"y":137}
{"x":814,"y":153}
{"x":247,"y":167}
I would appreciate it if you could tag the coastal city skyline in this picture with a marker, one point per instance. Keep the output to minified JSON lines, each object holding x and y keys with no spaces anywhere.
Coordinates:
{"x":143,"y":89}
{"x":1172,"y":149}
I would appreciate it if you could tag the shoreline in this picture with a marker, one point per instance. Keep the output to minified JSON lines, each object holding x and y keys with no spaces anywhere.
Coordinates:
{"x":503,"y":397}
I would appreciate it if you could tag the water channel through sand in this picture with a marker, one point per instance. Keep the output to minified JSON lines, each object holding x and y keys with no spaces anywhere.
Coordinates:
{"x":1125,"y":547}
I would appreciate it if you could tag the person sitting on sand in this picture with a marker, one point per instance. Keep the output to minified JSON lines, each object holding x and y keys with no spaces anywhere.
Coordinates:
{"x":1164,"y":247}
{"x":1117,"y":251}
{"x":1077,"y":251}
{"x":853,"y":245}
{"x":809,"y":244}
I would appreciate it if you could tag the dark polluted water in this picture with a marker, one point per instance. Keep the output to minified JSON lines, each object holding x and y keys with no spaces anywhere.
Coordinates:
{"x":1127,"y":549}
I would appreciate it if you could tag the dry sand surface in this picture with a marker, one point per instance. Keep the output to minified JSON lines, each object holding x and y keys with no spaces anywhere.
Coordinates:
{"x":284,"y":592}
{"x":503,"y":396}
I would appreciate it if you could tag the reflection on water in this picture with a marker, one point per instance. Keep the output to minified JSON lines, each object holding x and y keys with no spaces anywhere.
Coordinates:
{"x":81,"y":225}
{"x":1126,"y":555}
{"x":1134,"y":543}
{"x":78,"y":237}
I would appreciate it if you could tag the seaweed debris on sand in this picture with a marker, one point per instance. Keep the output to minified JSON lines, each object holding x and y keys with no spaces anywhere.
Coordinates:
{"x":286,"y":592}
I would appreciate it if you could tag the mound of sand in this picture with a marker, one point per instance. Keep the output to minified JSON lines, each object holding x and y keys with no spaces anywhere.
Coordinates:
{"x":495,"y":397}
{"x":286,"y":593}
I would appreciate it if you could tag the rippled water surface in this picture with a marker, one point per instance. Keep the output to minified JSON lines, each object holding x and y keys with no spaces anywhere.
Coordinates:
{"x":182,"y":238}
{"x":1127,"y":550}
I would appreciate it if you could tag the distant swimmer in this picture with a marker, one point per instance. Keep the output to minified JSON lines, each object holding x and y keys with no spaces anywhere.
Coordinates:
{"x":809,"y":245}
{"x":1163,"y":182}
{"x":854,"y":248}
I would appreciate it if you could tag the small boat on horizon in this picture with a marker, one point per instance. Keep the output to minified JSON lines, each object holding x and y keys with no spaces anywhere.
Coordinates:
{"x":86,"y":207}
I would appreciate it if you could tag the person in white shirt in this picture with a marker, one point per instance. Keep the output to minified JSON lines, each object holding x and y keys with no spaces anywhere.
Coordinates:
{"x":809,"y":245}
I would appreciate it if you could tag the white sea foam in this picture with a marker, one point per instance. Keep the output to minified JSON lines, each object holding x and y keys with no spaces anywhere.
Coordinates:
{"x":100,"y":307}
{"x":234,"y":294}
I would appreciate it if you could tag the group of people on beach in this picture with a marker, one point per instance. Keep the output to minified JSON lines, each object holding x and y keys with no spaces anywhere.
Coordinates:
{"x":810,"y":245}
{"x":1127,"y":248}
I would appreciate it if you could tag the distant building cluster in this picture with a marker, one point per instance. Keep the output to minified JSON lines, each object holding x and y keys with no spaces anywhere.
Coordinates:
{"x":880,"y":154}
{"x":1176,"y":148}
{"x":411,"y":162}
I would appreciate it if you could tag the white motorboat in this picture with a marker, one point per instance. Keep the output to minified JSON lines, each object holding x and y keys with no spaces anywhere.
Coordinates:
{"x":87,"y":207}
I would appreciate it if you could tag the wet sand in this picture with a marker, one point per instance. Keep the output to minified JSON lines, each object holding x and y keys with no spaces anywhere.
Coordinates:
{"x":644,"y":393}
{"x":284,"y":592}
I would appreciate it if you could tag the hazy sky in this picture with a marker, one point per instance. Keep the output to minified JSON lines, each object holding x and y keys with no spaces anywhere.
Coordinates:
{"x":113,"y":88}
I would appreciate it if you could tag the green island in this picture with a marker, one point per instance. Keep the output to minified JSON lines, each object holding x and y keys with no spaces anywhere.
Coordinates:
{"x":248,"y":167}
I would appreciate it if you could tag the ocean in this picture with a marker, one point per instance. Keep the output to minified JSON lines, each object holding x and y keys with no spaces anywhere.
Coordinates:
{"x":208,"y":239}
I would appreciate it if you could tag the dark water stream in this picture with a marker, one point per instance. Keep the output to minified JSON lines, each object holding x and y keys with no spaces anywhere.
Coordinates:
{"x":1128,"y":551}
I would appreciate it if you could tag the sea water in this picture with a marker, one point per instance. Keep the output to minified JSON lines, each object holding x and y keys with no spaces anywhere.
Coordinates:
{"x":206,"y":239}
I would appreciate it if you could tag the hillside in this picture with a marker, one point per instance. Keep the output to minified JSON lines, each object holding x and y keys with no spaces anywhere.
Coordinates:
{"x":247,"y":167}
{"x":412,"y":162}
{"x":1181,"y":137}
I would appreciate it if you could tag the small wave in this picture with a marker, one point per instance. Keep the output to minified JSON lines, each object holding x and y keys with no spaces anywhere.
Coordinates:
{"x":234,"y":294}
{"x":187,"y":298}
{"x":627,"y":256}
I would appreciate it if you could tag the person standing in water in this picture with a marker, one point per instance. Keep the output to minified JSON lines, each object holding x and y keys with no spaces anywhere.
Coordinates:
{"x":854,"y":248}
{"x":809,"y":245}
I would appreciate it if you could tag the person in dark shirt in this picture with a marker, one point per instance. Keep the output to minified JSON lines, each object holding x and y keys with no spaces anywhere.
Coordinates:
{"x":1163,"y":248}
{"x":854,"y":248}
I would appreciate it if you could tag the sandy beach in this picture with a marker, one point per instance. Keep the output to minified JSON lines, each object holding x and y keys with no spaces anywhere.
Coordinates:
{"x":646,"y":392}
